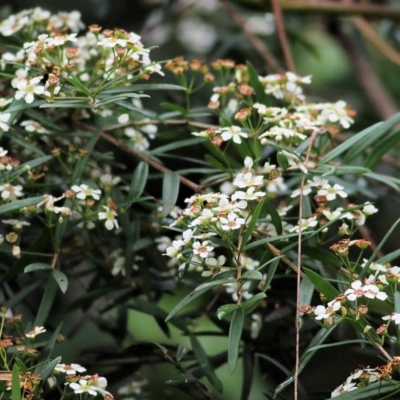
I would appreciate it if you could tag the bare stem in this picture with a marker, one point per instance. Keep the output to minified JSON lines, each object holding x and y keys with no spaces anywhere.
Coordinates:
{"x":280,"y":25}
{"x":253,"y":39}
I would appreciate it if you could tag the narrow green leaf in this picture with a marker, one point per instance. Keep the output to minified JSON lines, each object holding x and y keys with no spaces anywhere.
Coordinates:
{"x":275,"y":218}
{"x":345,"y":170}
{"x":15,"y":384}
{"x":48,"y":350}
{"x":257,"y":85}
{"x":226,"y":309}
{"x":371,"y":391}
{"x":176,"y":145}
{"x":81,"y":164}
{"x":181,"y":352}
{"x":22,"y":367}
{"x":282,"y":160}
{"x":385,"y":146}
{"x":385,"y":179}
{"x":306,"y":291}
{"x":16,"y":205}
{"x":321,"y":284}
{"x":47,"y":302}
{"x":29,"y":165}
{"x":253,"y":301}
{"x":175,"y":107}
{"x":142,"y":87}
{"x":36,"y":267}
{"x":170,"y":191}
{"x":205,"y":363}
{"x":46,"y":370}
{"x":139,"y":180}
{"x":61,"y":279}
{"x":235,"y":334}
{"x":365,"y":270}
{"x":218,"y":282}
{"x":252,"y":276}
{"x":251,"y":224}
{"x":75,"y":82}
{"x":248,"y":367}
{"x":324,"y":346}
{"x":397,"y":302}
{"x":185,"y":301}
{"x":326,"y":257}
{"x":68,"y":104}
{"x":214,"y":162}
{"x":306,"y":357}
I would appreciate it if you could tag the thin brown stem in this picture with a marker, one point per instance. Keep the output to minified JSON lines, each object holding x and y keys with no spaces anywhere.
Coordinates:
{"x":278,"y":253}
{"x":368,"y":10}
{"x":253,"y":39}
{"x":280,"y":26}
{"x":298,"y":282}
{"x":375,"y":92}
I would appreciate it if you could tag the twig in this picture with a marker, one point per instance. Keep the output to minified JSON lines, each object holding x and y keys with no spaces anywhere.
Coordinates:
{"x":369,"y":33}
{"x":278,"y":253}
{"x":155,"y":164}
{"x":253,"y":39}
{"x":368,"y":10}
{"x":299,"y":250}
{"x":280,"y":25}
{"x":379,"y":98}
{"x":138,"y":155}
{"x":383,"y":351}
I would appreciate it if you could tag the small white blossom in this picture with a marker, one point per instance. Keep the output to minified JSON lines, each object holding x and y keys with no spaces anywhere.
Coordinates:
{"x":26,"y":89}
{"x":395,"y":316}
{"x":202,"y":249}
{"x":109,"y":215}
{"x":4,"y":117}
{"x":10,"y":192}
{"x":330,"y":192}
{"x":69,"y":369}
{"x":233,"y":132}
{"x":82,"y":191}
{"x":37,"y":330}
{"x":231,"y":222}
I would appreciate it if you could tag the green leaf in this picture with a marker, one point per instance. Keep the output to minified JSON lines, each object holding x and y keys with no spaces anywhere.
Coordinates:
{"x":185,"y":301}
{"x":29,"y":165}
{"x":248,"y":371}
{"x":181,"y":352}
{"x":141,"y":87}
{"x":214,"y":162}
{"x":17,"y":205}
{"x":170,"y":191}
{"x":205,"y":363}
{"x":226,"y":309}
{"x":275,"y":218}
{"x":344,"y":170}
{"x":75,"y":82}
{"x":365,"y":269}
{"x":139,"y":180}
{"x":323,"y":286}
{"x":22,"y":367}
{"x":385,"y":179}
{"x":252,"y":276}
{"x":361,"y":141}
{"x":47,"y":302}
{"x":253,"y":301}
{"x":257,"y":85}
{"x":306,"y":291}
{"x":235,"y":334}
{"x":61,"y":279}
{"x":46,"y":353}
{"x":217,"y":282}
{"x":397,"y":302}
{"x":176,"y":145}
{"x":385,"y":146}
{"x":81,"y":164}
{"x":282,"y":160}
{"x":15,"y":384}
{"x":371,"y":391}
{"x":342,"y":343}
{"x":37,"y":267}
{"x":251,"y":224}
{"x":322,"y":255}
{"x":68,"y":104}
{"x":306,"y":357}
{"x":46,"y":370}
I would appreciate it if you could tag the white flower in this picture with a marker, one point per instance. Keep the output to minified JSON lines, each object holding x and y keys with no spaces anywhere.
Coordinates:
{"x":369,"y":209}
{"x":372,"y":292}
{"x":395,"y":316}
{"x":233,"y":132}
{"x":335,"y":113}
{"x":355,"y":291}
{"x":344,"y":388}
{"x":109,"y":215}
{"x":250,"y":194}
{"x":231,"y":222}
{"x":4,"y":117}
{"x":215,"y":266}
{"x":108,"y":181}
{"x":10,"y":192}
{"x":33,"y":126}
{"x":83,"y":387}
{"x":305,"y":224}
{"x":123,"y":118}
{"x":69,"y":369}
{"x":175,"y":248}
{"x":26,"y":89}
{"x":37,"y":330}
{"x":139,"y":140}
{"x":82,"y":191}
{"x":330,"y":192}
{"x":202,"y":249}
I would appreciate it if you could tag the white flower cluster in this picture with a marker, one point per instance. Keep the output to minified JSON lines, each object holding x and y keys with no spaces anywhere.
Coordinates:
{"x":364,"y":375}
